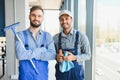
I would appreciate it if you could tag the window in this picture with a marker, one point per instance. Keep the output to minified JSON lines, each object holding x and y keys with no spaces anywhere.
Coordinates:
{"x":107,"y":22}
{"x":82,"y":15}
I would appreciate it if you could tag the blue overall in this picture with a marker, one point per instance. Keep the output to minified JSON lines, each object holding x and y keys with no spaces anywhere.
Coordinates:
{"x":26,"y":70}
{"x":76,"y":73}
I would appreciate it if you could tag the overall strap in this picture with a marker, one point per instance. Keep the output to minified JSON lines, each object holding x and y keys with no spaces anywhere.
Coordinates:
{"x":26,"y":40}
{"x":43,"y":39}
{"x":59,"y":42}
{"x":76,"y":41}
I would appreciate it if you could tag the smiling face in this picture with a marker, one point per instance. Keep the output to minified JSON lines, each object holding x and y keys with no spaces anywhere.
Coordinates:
{"x":36,"y":18}
{"x":65,"y":21}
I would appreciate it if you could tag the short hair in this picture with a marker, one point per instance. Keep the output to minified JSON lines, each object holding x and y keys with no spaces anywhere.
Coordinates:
{"x":36,"y":8}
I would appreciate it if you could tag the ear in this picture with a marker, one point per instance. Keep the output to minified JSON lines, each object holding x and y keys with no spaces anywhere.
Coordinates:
{"x":71,"y":19}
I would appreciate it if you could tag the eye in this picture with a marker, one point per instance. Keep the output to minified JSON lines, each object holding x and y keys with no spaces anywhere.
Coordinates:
{"x":67,"y":18}
{"x":33,"y":15}
{"x":39,"y":16}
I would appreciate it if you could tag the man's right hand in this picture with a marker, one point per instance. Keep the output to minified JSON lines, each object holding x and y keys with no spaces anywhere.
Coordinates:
{"x":59,"y":57}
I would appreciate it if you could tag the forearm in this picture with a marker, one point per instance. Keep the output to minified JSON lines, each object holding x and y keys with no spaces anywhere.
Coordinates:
{"x":23,"y":54}
{"x":85,"y":55}
{"x":46,"y":54}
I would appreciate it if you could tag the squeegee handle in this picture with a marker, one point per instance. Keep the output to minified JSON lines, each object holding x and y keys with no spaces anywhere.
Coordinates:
{"x":11,"y":26}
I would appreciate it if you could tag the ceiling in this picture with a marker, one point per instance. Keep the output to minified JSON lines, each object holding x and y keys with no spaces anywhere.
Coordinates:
{"x":47,"y":4}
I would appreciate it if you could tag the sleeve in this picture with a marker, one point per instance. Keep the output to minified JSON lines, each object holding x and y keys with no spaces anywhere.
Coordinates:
{"x":84,"y":49}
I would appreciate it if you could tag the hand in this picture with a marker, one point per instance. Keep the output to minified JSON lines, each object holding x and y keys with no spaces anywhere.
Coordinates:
{"x":59,"y":57}
{"x":70,"y":57}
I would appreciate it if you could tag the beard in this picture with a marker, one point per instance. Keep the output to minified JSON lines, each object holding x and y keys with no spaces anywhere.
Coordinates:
{"x":34,"y":25}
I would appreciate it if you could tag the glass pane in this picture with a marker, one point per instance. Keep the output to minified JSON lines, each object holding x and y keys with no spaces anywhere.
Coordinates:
{"x":82,"y":15}
{"x":107,"y":22}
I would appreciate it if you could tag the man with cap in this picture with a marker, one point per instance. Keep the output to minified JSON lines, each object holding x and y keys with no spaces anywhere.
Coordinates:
{"x":73,"y":43}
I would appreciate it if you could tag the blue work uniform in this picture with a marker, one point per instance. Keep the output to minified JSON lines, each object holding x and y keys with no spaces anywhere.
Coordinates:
{"x":74,"y":44}
{"x":39,"y":51}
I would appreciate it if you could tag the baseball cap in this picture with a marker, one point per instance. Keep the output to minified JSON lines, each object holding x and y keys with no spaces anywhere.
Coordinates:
{"x":65,"y":12}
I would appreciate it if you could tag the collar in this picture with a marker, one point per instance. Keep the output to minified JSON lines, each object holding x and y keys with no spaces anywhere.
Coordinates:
{"x":40,"y":31}
{"x":64,"y":35}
